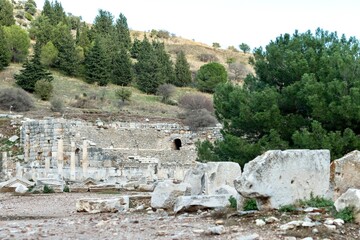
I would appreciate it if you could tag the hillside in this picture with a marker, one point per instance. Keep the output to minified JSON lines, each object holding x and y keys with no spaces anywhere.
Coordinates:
{"x":82,"y":100}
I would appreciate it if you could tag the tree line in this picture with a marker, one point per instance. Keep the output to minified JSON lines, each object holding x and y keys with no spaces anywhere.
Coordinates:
{"x":100,"y":53}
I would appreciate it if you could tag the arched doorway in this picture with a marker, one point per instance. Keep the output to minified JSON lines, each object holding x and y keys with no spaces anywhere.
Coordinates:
{"x":177,"y":144}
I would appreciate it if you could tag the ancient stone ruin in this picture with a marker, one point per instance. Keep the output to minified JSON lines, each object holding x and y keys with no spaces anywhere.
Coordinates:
{"x":75,"y":150}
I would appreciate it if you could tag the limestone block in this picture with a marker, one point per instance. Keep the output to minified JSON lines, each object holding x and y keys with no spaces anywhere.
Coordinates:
{"x":21,"y":189}
{"x":351,"y":198}
{"x":165,"y":194}
{"x":97,"y":205}
{"x":206,"y":178}
{"x":54,"y":183}
{"x":278,"y":178}
{"x":231,"y":191}
{"x":194,"y":203}
{"x":345,"y":173}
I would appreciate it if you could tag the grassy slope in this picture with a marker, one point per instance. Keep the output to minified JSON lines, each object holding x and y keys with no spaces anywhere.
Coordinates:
{"x":141,"y":105}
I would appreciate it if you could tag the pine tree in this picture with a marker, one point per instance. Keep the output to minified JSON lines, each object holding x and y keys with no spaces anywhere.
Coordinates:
{"x":123,"y":32}
{"x":167,"y":66}
{"x":97,"y":65}
{"x":148,"y":69}
{"x":6,"y":13}
{"x":103,"y":24}
{"x":32,"y":72}
{"x":64,"y":42}
{"x":122,"y":68}
{"x":135,"y":48}
{"x":182,"y":71}
{"x":5,"y":53}
{"x":47,"y":11}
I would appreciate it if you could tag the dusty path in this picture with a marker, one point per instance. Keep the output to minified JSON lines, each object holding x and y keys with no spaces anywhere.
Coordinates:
{"x":53,"y":216}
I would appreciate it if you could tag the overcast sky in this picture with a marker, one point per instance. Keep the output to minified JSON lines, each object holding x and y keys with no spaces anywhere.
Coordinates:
{"x":228,"y":22}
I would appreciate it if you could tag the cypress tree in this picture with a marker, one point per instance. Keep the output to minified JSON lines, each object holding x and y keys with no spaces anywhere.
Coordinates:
{"x":122,"y":68}
{"x":97,"y":65}
{"x":167,"y":67}
{"x":123,"y":32}
{"x":148,"y":69}
{"x":5,"y":53}
{"x":64,"y":42}
{"x":182,"y":71}
{"x":32,"y":72}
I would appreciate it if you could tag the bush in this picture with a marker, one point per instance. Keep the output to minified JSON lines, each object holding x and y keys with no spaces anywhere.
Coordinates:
{"x":206,"y":57}
{"x":48,"y":189}
{"x":196,"y":101}
{"x":66,"y":188}
{"x":250,"y":204}
{"x":166,"y":91}
{"x":43,"y":89}
{"x":287,"y":208}
{"x":200,"y":118}
{"x":233,"y":202}
{"x":123,"y":94}
{"x":57,"y":105}
{"x":15,"y":99}
{"x":316,"y":202}
{"x":347,"y":214}
{"x":28,"y":16}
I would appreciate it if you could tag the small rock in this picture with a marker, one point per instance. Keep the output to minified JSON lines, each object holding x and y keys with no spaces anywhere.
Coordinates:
{"x":148,"y":209}
{"x":310,"y":209}
{"x":219,"y":222}
{"x":260,"y":222}
{"x":290,"y":238}
{"x":13,"y":138}
{"x":307,"y":219}
{"x":218,"y":230}
{"x":139,"y":208}
{"x":249,"y":237}
{"x":339,"y":222}
{"x":315,"y":231}
{"x":160,"y":233}
{"x":198,"y":231}
{"x":330,"y":227}
{"x":308,"y":224}
{"x":307,"y":238}
{"x":150,"y":212}
{"x":329,"y":221}
{"x":271,"y":220}
{"x":286,"y":227}
{"x":21,"y":189}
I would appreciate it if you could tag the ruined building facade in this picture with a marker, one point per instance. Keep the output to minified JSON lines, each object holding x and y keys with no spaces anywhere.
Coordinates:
{"x":75,"y":150}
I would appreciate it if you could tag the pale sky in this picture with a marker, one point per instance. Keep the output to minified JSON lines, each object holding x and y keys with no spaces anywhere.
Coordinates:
{"x":228,"y":22}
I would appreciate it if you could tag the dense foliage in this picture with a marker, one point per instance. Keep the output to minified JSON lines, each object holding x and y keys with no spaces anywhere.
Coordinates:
{"x":305,"y":94}
{"x":209,"y":76}
{"x":6,"y":13}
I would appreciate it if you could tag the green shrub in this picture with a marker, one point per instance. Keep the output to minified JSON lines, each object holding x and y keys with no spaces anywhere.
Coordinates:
{"x":43,"y":89}
{"x":316,"y":202}
{"x":28,"y":16}
{"x":15,"y":99}
{"x":57,"y":105}
{"x":233,"y":202}
{"x":287,"y":208}
{"x":347,"y":214}
{"x":48,"y":189}
{"x":123,"y":94}
{"x":250,"y":204}
{"x":66,"y":189}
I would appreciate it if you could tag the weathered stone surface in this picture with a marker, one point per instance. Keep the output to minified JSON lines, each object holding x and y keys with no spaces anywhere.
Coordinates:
{"x":345,"y":173}
{"x":231,"y":191}
{"x":165,"y":194}
{"x":206,"y":178}
{"x":97,"y":205}
{"x":21,"y":189}
{"x":194,"y":203}
{"x":13,"y":138}
{"x":351,"y":198}
{"x":56,"y":184}
{"x":278,"y":178}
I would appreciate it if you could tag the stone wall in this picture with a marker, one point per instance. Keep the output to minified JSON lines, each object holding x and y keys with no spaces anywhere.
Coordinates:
{"x":75,"y":149}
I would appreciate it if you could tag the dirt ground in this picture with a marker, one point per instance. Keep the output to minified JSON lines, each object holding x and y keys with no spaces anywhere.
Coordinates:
{"x":54,"y":216}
